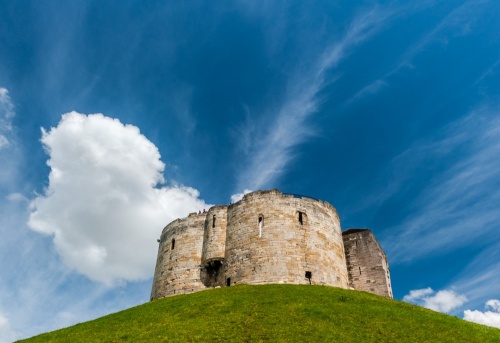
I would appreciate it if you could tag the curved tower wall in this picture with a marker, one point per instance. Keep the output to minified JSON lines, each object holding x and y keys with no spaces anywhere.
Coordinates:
{"x":277,"y":238}
{"x":214,"y":238}
{"x":179,"y":256}
{"x":214,"y":242}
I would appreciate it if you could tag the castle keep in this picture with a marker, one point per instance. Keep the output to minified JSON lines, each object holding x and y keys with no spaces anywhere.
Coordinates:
{"x":268,"y":237}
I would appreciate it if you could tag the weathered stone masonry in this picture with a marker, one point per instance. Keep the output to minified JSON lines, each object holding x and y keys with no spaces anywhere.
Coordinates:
{"x":268,"y":237}
{"x":366,"y":262}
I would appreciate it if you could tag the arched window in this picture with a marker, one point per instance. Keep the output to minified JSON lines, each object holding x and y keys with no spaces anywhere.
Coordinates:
{"x":300,"y":219}
{"x":173,"y":243}
{"x":213,"y":221}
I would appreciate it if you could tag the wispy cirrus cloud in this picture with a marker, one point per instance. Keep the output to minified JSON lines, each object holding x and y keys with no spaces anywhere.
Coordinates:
{"x":474,"y":289}
{"x":10,"y":153}
{"x":459,"y":204}
{"x":479,"y":281}
{"x":269,"y":151}
{"x":458,"y":21}
{"x":6,"y":115}
{"x":480,"y":277}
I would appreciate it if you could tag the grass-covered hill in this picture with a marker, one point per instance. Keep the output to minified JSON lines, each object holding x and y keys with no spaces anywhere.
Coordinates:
{"x":275,"y":313}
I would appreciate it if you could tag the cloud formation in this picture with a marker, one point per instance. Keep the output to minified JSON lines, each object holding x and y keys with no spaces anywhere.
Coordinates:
{"x":238,"y":196}
{"x":271,"y":150}
{"x":6,"y":332}
{"x":11,"y":155}
{"x":456,"y":22}
{"x":6,"y":115}
{"x":102,"y":205}
{"x":441,"y":301}
{"x":490,"y":317}
{"x":458,"y":204}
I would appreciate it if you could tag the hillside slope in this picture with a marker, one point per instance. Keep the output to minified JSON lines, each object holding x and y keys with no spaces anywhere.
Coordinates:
{"x":275,"y":313}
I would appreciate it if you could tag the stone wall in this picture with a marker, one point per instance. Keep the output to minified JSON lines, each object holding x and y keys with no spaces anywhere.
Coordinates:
{"x":214,"y":242}
{"x":179,"y":257}
{"x":277,"y":238}
{"x":366,"y":262}
{"x":214,"y":239}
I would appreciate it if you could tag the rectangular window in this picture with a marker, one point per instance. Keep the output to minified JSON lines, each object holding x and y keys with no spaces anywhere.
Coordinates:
{"x":261,"y":223}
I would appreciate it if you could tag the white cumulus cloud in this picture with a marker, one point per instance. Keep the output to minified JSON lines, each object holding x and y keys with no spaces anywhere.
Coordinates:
{"x":102,"y":205}
{"x":238,"y":196}
{"x":490,"y":317}
{"x":416,"y":294}
{"x":441,"y":301}
{"x":6,"y":332}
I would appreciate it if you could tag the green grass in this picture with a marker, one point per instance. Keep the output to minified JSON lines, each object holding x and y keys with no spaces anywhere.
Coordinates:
{"x":275,"y":313}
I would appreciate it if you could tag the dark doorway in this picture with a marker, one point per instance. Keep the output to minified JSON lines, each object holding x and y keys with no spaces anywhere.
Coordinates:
{"x":212,"y":276}
{"x":309,"y":276}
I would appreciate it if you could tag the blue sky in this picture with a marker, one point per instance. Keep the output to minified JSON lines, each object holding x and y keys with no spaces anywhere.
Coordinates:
{"x":117,"y":118}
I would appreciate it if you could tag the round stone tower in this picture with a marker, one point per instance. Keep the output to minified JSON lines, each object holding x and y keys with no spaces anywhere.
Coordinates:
{"x":280,"y":238}
{"x":214,"y":242}
{"x":179,"y":256}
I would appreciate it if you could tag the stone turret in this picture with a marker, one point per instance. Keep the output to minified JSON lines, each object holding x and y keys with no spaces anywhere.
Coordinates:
{"x":214,"y":243}
{"x":366,"y":262}
{"x":179,"y":256}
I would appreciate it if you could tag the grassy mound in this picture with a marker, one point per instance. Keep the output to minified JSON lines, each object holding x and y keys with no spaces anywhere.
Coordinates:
{"x":275,"y":313}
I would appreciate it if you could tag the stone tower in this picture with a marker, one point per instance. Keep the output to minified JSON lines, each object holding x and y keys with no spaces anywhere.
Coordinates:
{"x":179,"y":255}
{"x":267,"y":237}
{"x":366,"y":262}
{"x":214,"y":243}
{"x":277,"y":238}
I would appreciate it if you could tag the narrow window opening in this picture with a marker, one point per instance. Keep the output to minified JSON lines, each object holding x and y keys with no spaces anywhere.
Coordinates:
{"x":173,"y":243}
{"x":261,"y":223}
{"x":228,"y":282}
{"x":300,"y":218}
{"x":359,"y":270}
{"x":213,"y":221}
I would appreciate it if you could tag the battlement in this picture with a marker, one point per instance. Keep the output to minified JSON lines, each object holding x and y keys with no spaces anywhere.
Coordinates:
{"x":266,"y":237}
